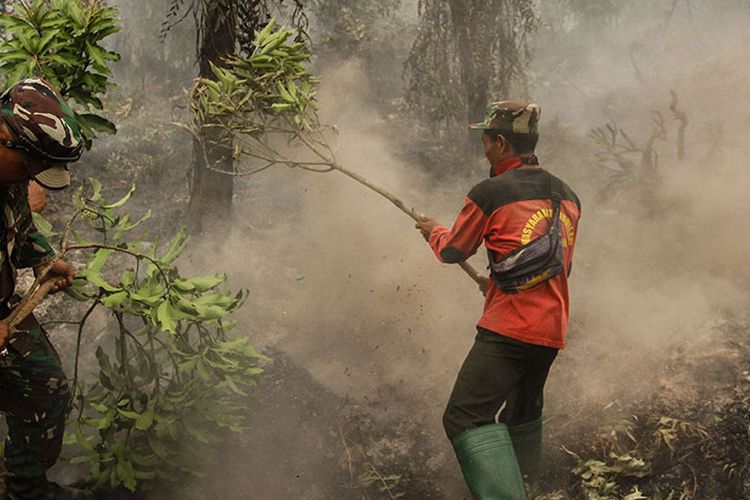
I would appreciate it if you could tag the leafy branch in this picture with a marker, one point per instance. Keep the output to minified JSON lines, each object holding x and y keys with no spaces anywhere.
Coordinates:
{"x":262,"y":104}
{"x":60,"y":40}
{"x":171,"y":381}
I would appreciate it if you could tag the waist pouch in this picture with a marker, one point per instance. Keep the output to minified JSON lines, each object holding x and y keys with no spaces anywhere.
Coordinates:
{"x":537,"y":261}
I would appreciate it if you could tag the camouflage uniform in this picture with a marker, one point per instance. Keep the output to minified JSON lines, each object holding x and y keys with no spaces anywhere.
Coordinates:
{"x":34,"y":393}
{"x":45,"y":131}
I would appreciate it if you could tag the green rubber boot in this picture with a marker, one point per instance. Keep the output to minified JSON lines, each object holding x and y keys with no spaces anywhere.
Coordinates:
{"x":489,"y":463}
{"x":527,"y":442}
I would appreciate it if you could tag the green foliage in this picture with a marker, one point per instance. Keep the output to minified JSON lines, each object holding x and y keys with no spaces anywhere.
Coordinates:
{"x":252,"y":16}
{"x":258,"y":99}
{"x":386,"y":484}
{"x":60,"y":40}
{"x":252,"y":91}
{"x":600,"y":480}
{"x":631,"y":452}
{"x":173,"y":382}
{"x":249,"y":16}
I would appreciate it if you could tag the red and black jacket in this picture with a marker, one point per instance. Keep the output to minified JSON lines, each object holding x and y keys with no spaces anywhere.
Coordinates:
{"x":504,"y":212}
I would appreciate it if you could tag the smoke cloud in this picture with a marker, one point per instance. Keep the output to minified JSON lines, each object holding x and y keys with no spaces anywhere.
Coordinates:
{"x":343,"y":285}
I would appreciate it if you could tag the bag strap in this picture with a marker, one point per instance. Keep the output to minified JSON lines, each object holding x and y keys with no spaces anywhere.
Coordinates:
{"x":556,"y":191}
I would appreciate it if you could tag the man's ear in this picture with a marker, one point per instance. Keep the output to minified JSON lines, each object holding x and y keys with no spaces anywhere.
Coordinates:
{"x":505,"y":146}
{"x":501,"y":142}
{"x":5,"y":134}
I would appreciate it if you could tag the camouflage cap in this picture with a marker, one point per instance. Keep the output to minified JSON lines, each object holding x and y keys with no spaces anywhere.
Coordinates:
{"x":45,"y":128}
{"x":519,"y":117}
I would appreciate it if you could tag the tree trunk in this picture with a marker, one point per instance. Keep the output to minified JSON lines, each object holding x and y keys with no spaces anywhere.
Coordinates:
{"x":211,"y":194}
{"x":469,"y":32}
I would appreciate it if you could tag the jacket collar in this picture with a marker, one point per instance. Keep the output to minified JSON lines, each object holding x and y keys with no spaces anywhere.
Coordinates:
{"x":512,"y":163}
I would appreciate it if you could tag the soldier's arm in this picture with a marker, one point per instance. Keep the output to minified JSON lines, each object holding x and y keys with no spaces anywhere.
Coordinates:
{"x":462,"y":240}
{"x":37,"y":197}
{"x":4,"y":334}
{"x":35,"y":251}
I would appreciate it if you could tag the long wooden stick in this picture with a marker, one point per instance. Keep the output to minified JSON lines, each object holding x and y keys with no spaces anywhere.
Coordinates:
{"x":473,"y":274}
{"x":332,"y":163}
{"x":27,"y":305}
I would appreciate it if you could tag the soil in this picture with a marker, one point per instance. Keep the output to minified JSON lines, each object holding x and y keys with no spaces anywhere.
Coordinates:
{"x":305,"y":442}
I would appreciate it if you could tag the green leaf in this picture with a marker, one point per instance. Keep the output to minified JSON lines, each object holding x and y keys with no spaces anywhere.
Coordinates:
{"x":42,"y":225}
{"x":46,"y":41}
{"x":122,"y":200}
{"x":78,"y":290}
{"x":82,"y":440}
{"x":84,"y":459}
{"x":281,"y":107}
{"x":164,"y":317}
{"x":15,"y":23}
{"x":144,"y":474}
{"x":145,"y":419}
{"x":128,"y":278}
{"x":126,"y":474}
{"x":211,"y":312}
{"x":114,"y":300}
{"x":107,"y":375}
{"x":99,"y":259}
{"x":104,"y":422}
{"x":150,"y":293}
{"x":263,"y":34}
{"x":203,"y":371}
{"x":216,"y":299}
{"x":234,"y":387}
{"x":96,"y":188}
{"x":200,"y":284}
{"x":96,"y":122}
{"x":176,"y":246}
{"x":96,"y":54}
{"x":99,"y":408}
{"x":148,"y":461}
{"x":95,"y":277}
{"x":128,"y":414}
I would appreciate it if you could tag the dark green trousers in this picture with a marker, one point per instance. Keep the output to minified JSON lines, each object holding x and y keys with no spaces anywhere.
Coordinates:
{"x":34,"y":397}
{"x":499,"y":372}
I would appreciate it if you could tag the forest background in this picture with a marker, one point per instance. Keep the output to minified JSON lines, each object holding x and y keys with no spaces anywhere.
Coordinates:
{"x":643,"y":115}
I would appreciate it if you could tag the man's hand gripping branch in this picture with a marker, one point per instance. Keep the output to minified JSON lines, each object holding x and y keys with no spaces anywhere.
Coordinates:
{"x":425,"y":226}
{"x":62,"y":273}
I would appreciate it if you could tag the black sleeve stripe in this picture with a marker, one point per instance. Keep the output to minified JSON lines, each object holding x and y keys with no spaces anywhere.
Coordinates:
{"x":513,"y":186}
{"x":452,"y":255}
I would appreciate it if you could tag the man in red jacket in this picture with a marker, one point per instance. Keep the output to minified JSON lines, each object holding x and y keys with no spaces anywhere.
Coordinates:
{"x":496,"y":403}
